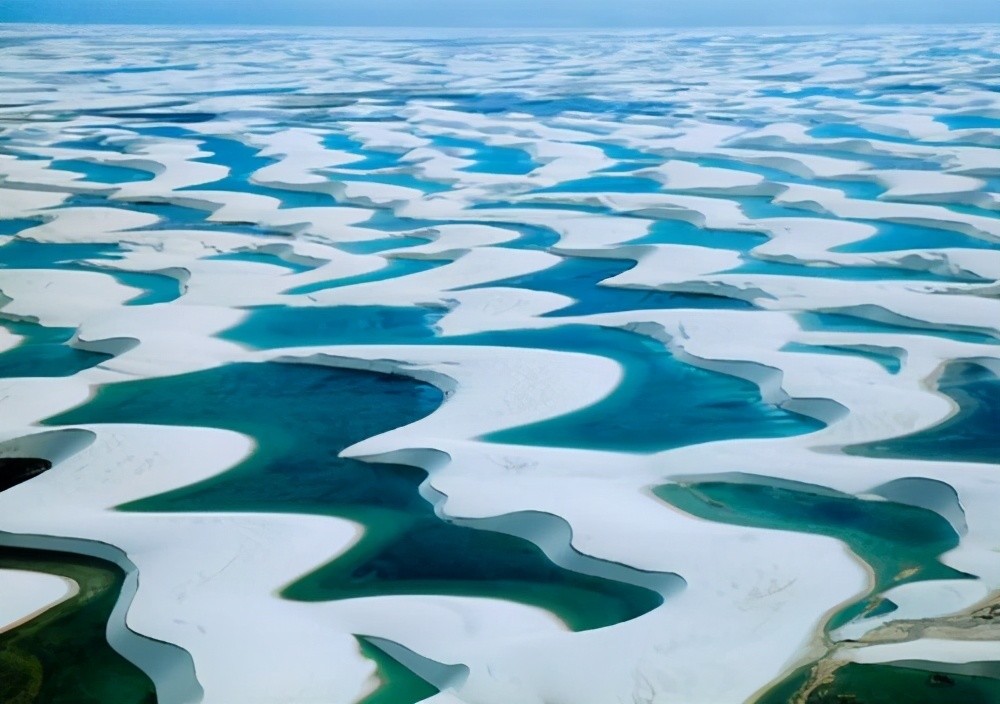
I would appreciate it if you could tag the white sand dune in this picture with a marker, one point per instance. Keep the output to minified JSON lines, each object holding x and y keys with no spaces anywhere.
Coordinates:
{"x":727,"y":130}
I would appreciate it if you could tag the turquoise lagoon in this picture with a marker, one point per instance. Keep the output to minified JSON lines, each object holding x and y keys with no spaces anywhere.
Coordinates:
{"x":27,"y":254}
{"x":900,"y":543}
{"x":303,"y":415}
{"x":580,"y":278}
{"x":43,"y":352}
{"x":407,"y":548}
{"x":646,"y":412}
{"x":970,"y":435}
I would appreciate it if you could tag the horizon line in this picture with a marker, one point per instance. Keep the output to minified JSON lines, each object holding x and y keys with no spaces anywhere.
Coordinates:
{"x":506,"y":27}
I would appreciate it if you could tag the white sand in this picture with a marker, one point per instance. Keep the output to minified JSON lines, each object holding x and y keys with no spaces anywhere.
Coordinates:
{"x":209,"y":582}
{"x":25,"y":595}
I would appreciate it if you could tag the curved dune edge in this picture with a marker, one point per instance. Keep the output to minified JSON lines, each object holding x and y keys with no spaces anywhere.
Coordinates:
{"x":493,"y":483}
{"x":170,"y":667}
{"x":181,"y":480}
{"x":555,"y":357}
{"x":918,"y":501}
{"x":81,"y":503}
{"x":548,"y":531}
{"x":396,"y":351}
{"x":474,"y":454}
{"x":29,"y":594}
{"x":440,"y":675}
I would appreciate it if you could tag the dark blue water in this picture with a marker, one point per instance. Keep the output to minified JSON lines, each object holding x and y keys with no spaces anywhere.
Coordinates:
{"x":489,"y":158}
{"x":847,"y":130}
{"x":311,"y":414}
{"x":631,"y":159}
{"x":876,"y":160}
{"x":894,"y":237}
{"x":605,"y":184}
{"x":843,"y":273}
{"x":390,"y":179}
{"x":381,"y":245}
{"x":887,"y":684}
{"x":16,"y":225}
{"x":965,"y":122}
{"x":736,"y":164}
{"x":531,"y":236}
{"x":259,"y":257}
{"x":27,"y":254}
{"x":626,"y":167}
{"x":579,"y":278}
{"x":860,"y":189}
{"x":242,"y":161}
{"x":44,"y":352}
{"x":179,"y":117}
{"x":132,"y":69}
{"x":502,"y":102}
{"x":809,"y":92}
{"x":102,"y":173}
{"x":568,"y":207}
{"x":18,"y":151}
{"x":388,"y":221}
{"x":268,"y":327}
{"x":173,"y":217}
{"x":843,"y":130}
{"x":661,"y":403}
{"x":890,"y":362}
{"x":972,"y":435}
{"x":759,"y":207}
{"x":681,"y":232}
{"x":845,"y":321}
{"x":157,"y":288}
{"x":901,"y":543}
{"x":373,"y":159}
{"x":96,"y":143}
{"x":397,"y":267}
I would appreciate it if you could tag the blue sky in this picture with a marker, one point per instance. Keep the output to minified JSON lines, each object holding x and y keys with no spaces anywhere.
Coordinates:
{"x":504,"y":13}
